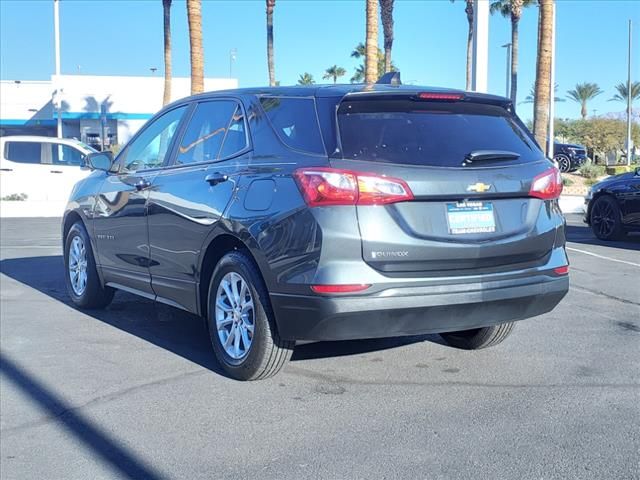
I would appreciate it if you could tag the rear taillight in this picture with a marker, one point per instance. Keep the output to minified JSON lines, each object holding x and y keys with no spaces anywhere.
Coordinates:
{"x":330,"y":186}
{"x":547,"y":185}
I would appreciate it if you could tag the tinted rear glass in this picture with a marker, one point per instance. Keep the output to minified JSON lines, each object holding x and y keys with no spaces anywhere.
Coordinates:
{"x":295,"y":121}
{"x":427,"y":133}
{"x":23,"y":152}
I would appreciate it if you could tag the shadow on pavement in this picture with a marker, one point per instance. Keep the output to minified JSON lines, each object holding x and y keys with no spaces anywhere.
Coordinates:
{"x":170,"y":328}
{"x":118,"y":458}
{"x":583,"y":234}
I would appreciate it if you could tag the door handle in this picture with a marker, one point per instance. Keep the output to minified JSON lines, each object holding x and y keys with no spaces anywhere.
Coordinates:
{"x":142,"y":184}
{"x":55,"y":171}
{"x":215,"y":178}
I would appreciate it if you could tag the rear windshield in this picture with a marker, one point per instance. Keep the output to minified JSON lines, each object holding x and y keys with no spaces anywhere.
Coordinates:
{"x":427,"y":133}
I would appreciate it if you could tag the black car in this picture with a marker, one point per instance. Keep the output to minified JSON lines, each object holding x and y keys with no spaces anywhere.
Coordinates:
{"x":613,"y":206}
{"x":570,"y":157}
{"x":325,"y":213}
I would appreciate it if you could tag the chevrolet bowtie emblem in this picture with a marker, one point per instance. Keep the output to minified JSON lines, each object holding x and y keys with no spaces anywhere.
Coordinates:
{"x":479,"y":187}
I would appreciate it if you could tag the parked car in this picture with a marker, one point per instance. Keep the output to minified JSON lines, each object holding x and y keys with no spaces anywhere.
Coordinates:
{"x":313,"y":213}
{"x":570,"y":157}
{"x":612,"y":206}
{"x":43,"y":168}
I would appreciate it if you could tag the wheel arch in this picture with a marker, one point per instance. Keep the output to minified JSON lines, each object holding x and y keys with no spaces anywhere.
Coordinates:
{"x":594,"y":199}
{"x":216,"y":248}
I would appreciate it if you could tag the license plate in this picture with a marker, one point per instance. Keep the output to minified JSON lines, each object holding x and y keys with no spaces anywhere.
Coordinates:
{"x":470,"y":217}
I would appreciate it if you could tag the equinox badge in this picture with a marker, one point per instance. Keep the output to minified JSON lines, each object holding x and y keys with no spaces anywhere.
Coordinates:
{"x":479,"y":187}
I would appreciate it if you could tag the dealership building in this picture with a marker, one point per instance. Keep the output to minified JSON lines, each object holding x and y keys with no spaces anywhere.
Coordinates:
{"x":90,"y":107}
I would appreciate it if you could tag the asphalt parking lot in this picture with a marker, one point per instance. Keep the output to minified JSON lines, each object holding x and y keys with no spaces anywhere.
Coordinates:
{"x":134,"y":391}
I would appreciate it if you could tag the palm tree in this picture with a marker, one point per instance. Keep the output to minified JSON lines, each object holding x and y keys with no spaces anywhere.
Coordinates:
{"x":334,"y":72}
{"x":306,"y":79}
{"x":166,"y":8}
{"x":532,"y":94}
{"x":512,"y":9}
{"x":543,"y":73}
{"x":359,"y":52}
{"x":371,"y":43}
{"x":386,"y":12}
{"x":469,"y":11}
{"x":623,"y":96}
{"x":582,"y":94}
{"x":194,"y":16}
{"x":272,"y":74}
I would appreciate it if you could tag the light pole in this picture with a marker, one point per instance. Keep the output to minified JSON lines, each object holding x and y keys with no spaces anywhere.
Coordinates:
{"x":232,"y":58}
{"x":56,"y":34}
{"x":508,"y":83}
{"x":629,"y":141}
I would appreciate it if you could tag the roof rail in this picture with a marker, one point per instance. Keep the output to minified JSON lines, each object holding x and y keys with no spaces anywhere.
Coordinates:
{"x":390,"y":78}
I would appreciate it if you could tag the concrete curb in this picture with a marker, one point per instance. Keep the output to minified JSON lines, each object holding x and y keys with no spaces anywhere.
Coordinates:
{"x":31,"y":209}
{"x":572,"y":203}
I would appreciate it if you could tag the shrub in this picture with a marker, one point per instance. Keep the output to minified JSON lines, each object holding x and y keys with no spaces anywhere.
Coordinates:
{"x":567,"y":181}
{"x":15,"y":197}
{"x":589,"y":170}
{"x":590,"y":181}
{"x":617,"y":169}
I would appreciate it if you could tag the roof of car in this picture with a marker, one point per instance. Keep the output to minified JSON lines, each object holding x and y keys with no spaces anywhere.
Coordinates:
{"x":340,"y":90}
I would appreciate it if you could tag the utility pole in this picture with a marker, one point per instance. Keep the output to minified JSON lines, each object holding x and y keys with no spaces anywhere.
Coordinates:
{"x":629,"y":141}
{"x":508,"y":82}
{"x":480,"y":45}
{"x":56,"y":33}
{"x":552,"y":86}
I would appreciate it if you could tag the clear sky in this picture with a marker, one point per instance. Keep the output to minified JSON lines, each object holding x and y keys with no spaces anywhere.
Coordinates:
{"x":123,"y":37}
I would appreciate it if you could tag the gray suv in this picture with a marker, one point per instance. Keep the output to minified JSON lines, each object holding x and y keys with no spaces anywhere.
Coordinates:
{"x":325,"y":213}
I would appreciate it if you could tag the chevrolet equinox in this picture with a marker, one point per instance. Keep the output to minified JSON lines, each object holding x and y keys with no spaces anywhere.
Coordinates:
{"x":324,"y":213}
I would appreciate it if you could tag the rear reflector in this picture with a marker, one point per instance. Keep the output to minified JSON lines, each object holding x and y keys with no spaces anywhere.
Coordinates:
{"x":339,"y":288}
{"x":547,"y":185}
{"x":561,"y":270}
{"x":450,"y":97}
{"x":330,"y":186}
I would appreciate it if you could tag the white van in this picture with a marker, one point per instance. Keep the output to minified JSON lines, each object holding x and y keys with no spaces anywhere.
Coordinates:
{"x":42,"y":168}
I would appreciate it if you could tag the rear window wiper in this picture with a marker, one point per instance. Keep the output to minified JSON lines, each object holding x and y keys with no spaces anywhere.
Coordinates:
{"x":482,"y":155}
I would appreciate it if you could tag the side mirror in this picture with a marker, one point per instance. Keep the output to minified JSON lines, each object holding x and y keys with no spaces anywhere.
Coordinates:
{"x":99,"y":161}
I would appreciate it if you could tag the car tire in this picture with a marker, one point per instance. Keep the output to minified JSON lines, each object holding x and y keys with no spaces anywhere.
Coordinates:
{"x":605,"y":219}
{"x":81,"y":275}
{"x":478,"y":337}
{"x":564,"y":163}
{"x":241,"y":322}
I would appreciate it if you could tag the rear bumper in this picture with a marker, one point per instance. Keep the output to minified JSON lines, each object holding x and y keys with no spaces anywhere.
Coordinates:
{"x":416,"y":310}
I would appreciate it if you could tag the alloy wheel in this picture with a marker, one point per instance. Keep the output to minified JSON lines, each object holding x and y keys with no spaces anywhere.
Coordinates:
{"x":78,"y":265}
{"x":603,"y":218}
{"x":235,"y":315}
{"x":563,"y":163}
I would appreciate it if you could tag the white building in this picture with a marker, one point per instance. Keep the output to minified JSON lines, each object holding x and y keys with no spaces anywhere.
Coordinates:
{"x":123,"y":104}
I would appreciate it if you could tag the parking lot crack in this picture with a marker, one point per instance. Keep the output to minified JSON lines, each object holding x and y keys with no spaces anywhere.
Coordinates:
{"x":599,"y":292}
{"x":100,"y":400}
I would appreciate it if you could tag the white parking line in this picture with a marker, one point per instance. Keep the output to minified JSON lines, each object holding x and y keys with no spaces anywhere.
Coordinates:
{"x":604,"y":257}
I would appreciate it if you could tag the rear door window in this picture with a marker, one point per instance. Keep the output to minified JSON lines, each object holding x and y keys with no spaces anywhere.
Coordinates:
{"x":216,"y":130}
{"x":24,"y":152}
{"x":295,"y":121}
{"x":431,"y":134}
